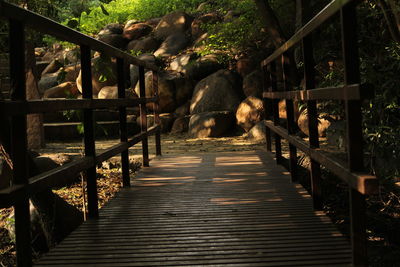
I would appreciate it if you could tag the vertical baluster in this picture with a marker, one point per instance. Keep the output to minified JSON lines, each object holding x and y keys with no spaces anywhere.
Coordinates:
{"x":312,"y":115}
{"x":354,"y":132}
{"x":275,"y":111}
{"x":143,"y":117}
{"x":122,"y":123}
{"x":19,"y":142}
{"x":291,"y":123}
{"x":267,"y":105}
{"x":157,"y":120}
{"x":88,"y":126}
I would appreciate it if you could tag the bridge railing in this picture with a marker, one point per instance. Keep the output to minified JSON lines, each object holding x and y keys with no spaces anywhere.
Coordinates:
{"x":351,"y":94}
{"x":16,"y":109}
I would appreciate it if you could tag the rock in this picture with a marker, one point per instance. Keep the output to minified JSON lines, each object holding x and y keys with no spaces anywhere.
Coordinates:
{"x":134,"y":70}
{"x":282,"y":109}
{"x":180,"y":63}
{"x":153,"y":22}
{"x":181,"y":125}
{"x":108,"y":92}
{"x":336,"y":134}
{"x":211,"y":124}
{"x":41,"y":65}
{"x":172,"y":45}
{"x":54,"y":66}
{"x":63,"y":90}
{"x":323,"y":124}
{"x":183,"y":89}
{"x":173,"y":23}
{"x":202,"y":67}
{"x":113,"y":28}
{"x":257,"y":133}
{"x":100,"y":67}
{"x":183,"y":110}
{"x":252,"y":84}
{"x":249,"y":113}
{"x":245,"y":66}
{"x":196,"y":26}
{"x":147,"y":44}
{"x":166,"y":92}
{"x":115,"y":40}
{"x":217,"y":92}
{"x":136,"y":30}
{"x":71,"y":72}
{"x":48,"y":81}
{"x":166,"y":120}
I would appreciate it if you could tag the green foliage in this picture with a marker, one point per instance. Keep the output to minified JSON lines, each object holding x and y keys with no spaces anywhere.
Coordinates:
{"x":237,"y":35}
{"x":120,"y":11}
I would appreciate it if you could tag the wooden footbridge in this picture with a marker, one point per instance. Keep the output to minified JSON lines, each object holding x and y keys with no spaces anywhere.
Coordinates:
{"x":217,"y":209}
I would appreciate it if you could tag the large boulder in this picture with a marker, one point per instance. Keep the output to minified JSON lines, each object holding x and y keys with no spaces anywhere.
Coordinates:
{"x":146,"y":44}
{"x":101,"y":68}
{"x":180,"y":63}
{"x":166,"y":92}
{"x":244,"y":66}
{"x":202,"y":67}
{"x":323,"y":124}
{"x":115,"y":40}
{"x":54,"y":66}
{"x":181,"y":125}
{"x":134,"y":70}
{"x":112,"y":28}
{"x":217,"y":92}
{"x":63,"y":90}
{"x":108,"y":92}
{"x":249,"y":113}
{"x":71,"y":72}
{"x":172,"y":45}
{"x":211,"y":124}
{"x":197,"y":24}
{"x":175,"y":22}
{"x":48,"y":81}
{"x":183,"y":110}
{"x":257,"y":133}
{"x":136,"y":30}
{"x":183,"y":88}
{"x":252,"y":84}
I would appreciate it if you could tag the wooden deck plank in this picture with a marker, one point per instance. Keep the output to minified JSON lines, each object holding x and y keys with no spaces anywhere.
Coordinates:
{"x":224,"y":209}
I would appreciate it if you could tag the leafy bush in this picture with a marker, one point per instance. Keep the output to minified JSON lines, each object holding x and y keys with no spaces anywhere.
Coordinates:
{"x":238,"y":35}
{"x":120,"y":11}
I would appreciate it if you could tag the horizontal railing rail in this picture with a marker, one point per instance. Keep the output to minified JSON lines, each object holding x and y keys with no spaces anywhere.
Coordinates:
{"x":16,"y":109}
{"x":351,"y":94}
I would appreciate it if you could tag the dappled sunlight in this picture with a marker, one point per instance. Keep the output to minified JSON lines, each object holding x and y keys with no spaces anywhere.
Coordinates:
{"x":228,"y":180}
{"x":166,"y":178}
{"x":233,"y":201}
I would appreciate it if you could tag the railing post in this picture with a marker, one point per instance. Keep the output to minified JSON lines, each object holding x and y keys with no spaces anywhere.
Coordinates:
{"x":312,"y":116}
{"x":88,"y":126}
{"x":291,"y":124}
{"x":143,"y":117}
{"x":122,"y":123}
{"x":275,"y":110}
{"x":354,"y":132}
{"x":157,"y":120}
{"x":19,"y":143}
{"x":267,"y":105}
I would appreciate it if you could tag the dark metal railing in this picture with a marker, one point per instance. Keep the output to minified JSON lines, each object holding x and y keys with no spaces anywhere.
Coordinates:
{"x":351,"y":93}
{"x":18,"y":107}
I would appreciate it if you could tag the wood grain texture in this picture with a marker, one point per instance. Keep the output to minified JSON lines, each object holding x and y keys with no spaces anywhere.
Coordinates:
{"x":215,"y":209}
